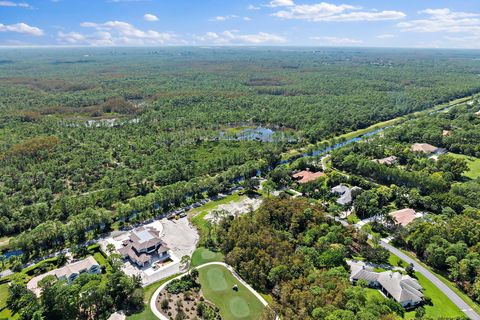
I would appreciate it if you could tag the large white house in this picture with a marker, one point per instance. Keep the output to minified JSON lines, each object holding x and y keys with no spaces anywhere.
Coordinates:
{"x":68,"y":272}
{"x":143,"y":245}
{"x":402,"y":288}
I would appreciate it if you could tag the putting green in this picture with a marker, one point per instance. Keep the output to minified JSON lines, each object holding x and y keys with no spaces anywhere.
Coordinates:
{"x":216,"y":279}
{"x":239,"y":307}
{"x":217,"y":286}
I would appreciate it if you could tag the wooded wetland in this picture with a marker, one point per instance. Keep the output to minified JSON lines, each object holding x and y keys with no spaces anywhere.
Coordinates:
{"x":64,"y":180}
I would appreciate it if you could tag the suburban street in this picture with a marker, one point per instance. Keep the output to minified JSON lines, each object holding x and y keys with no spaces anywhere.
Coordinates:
{"x":437,"y":282}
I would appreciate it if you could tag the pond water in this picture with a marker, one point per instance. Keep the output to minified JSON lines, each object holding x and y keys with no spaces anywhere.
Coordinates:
{"x":326,"y":150}
{"x":258,"y":134}
{"x":10,"y":254}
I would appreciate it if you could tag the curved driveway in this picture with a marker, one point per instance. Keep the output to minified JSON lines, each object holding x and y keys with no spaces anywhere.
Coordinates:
{"x":153,"y":305}
{"x":455,"y":298}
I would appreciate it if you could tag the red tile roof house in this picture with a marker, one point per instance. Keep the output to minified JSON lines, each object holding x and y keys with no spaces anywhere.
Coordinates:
{"x":405,"y":216}
{"x":143,"y":245}
{"x":307,"y":176}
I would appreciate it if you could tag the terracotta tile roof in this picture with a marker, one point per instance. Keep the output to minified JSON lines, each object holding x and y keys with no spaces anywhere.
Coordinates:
{"x":307,"y":176}
{"x":404,"y":216}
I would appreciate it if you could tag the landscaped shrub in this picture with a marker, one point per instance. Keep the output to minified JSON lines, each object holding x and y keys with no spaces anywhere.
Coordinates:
{"x":207,"y":312}
{"x":164,"y":304}
{"x":183,"y":284}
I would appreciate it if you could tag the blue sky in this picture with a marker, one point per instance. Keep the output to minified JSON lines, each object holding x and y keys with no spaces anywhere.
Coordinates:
{"x":380,"y":23}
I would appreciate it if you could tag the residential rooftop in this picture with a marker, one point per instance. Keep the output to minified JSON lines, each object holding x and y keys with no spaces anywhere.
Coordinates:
{"x":387,"y":161}
{"x":307,"y":176}
{"x":68,"y":272}
{"x":346,"y":194}
{"x":402,"y":288}
{"x":405,"y":216}
{"x":424,"y":147}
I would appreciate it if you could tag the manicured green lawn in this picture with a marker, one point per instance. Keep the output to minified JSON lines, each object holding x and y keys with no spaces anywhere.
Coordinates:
{"x":473,"y":165}
{"x":452,"y":286}
{"x":441,"y":305}
{"x":3,"y":295}
{"x":393,"y":260}
{"x":203,"y":255}
{"x":373,"y":293}
{"x":217,"y":283}
{"x":147,"y":314}
{"x":5,"y":313}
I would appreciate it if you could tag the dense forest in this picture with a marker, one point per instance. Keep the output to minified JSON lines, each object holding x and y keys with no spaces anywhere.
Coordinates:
{"x":91,"y":137}
{"x":292,"y":250}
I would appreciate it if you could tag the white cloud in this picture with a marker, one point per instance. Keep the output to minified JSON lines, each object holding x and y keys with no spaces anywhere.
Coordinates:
{"x":324,"y":11}
{"x":71,"y":37}
{"x":113,"y":33}
{"x":234,"y":37}
{"x":224,"y":18}
{"x":280,"y":3}
{"x":21,"y":28}
{"x":247,"y":19}
{"x":14,"y":4}
{"x":337,"y":40}
{"x":444,"y":20}
{"x":150,"y":17}
{"x":252,"y":7}
{"x":385,"y":36}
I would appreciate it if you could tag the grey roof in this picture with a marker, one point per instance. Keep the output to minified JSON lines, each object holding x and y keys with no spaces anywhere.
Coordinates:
{"x":77,"y":267}
{"x":143,"y":235}
{"x":340,"y":189}
{"x":367,"y":275}
{"x":345,"y":194}
{"x":402,"y":288}
{"x":140,"y":239}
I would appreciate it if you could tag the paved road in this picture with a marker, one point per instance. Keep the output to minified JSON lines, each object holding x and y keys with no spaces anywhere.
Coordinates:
{"x":455,"y":298}
{"x":159,"y":315}
{"x":437,"y":282}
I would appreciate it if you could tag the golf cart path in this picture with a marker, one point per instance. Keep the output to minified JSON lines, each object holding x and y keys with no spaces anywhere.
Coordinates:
{"x":464,"y":307}
{"x":153,"y":301}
